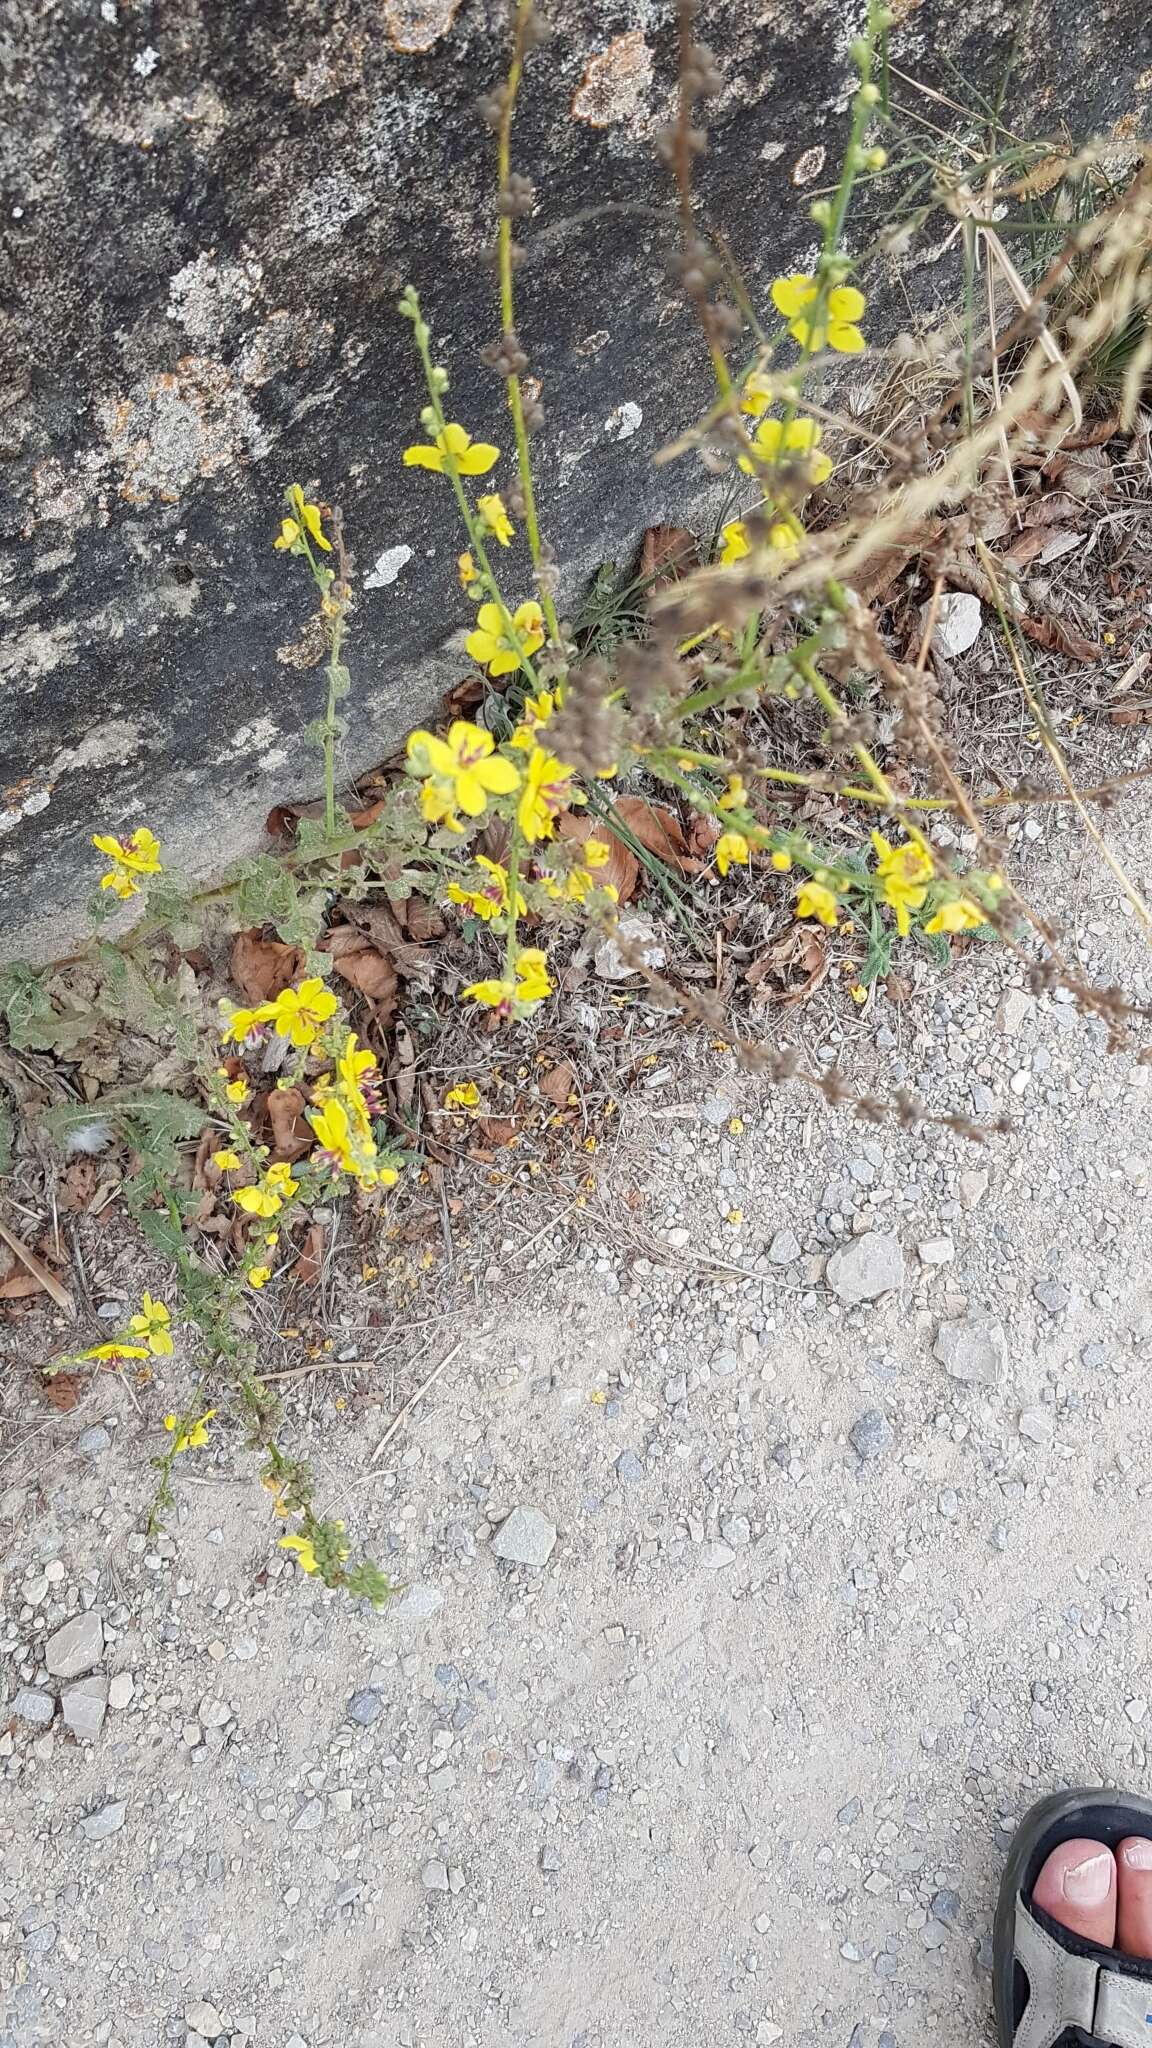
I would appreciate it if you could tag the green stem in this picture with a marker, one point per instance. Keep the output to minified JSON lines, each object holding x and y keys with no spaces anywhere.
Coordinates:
{"x":468,"y":515}
{"x":507,"y":311}
{"x":511,"y":939}
{"x":335,"y":641}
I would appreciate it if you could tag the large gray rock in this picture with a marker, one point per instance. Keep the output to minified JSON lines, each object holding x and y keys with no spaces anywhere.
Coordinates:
{"x":974,"y":1349}
{"x":527,"y":1537}
{"x":76,"y":1647}
{"x":871,"y":1265}
{"x":84,"y":1706}
{"x":210,"y":213}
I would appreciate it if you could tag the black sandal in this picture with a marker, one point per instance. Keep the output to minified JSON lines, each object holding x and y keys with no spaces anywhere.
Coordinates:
{"x":1052,"y":1988}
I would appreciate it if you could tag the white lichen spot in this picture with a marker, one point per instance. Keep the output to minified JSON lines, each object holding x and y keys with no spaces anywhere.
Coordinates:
{"x":108,"y":10}
{"x":211,"y":300}
{"x":145,"y":61}
{"x":624,"y":422}
{"x":27,"y":807}
{"x":387,"y":567}
{"x":592,"y":343}
{"x":322,"y":210}
{"x":106,"y":746}
{"x":771,"y":152}
{"x":616,"y":83}
{"x":339,"y":66}
{"x":254,"y":738}
{"x":180,"y":424}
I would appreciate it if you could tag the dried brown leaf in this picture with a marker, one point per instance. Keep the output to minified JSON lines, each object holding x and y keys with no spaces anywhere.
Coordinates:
{"x":658,"y":831}
{"x":499,"y":1130}
{"x":63,"y":1390}
{"x":263,"y":968}
{"x":292,"y":1135}
{"x":422,"y":919}
{"x":357,"y":961}
{"x":1062,"y":639}
{"x":78,"y":1184}
{"x":665,"y":554}
{"x":797,"y":962}
{"x":557,"y":1084}
{"x":308,"y":1267}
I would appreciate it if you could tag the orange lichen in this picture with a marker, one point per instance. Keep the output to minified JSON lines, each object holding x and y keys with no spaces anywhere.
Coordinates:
{"x":615,"y":82}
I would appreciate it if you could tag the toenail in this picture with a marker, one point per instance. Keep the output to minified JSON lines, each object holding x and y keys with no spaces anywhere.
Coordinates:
{"x":1088,"y":1883}
{"x":1138,"y":1855}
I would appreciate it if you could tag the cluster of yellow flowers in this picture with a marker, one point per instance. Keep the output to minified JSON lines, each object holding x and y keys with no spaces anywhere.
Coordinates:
{"x":902,"y":880}
{"x":297,"y":1014}
{"x":342,"y":1119}
{"x":149,"y":1334}
{"x":131,"y":858}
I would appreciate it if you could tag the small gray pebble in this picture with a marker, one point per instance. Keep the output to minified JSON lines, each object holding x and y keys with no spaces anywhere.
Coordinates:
{"x":629,"y":1468}
{"x":365,"y":1707}
{"x":871,"y":1435}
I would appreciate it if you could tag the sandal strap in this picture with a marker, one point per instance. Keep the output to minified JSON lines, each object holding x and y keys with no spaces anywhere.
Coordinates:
{"x":1066,"y":1990}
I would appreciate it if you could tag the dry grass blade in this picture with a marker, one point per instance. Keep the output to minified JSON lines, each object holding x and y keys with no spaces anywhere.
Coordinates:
{"x":38,"y":1270}
{"x":412,"y":1402}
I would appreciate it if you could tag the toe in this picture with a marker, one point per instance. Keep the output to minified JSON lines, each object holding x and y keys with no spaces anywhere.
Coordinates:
{"x":1077,"y":1885}
{"x":1134,"y":1896}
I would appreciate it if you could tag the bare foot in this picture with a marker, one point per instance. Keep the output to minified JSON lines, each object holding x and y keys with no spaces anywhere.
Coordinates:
{"x":1105,"y":1897}
{"x":1077,"y":1886}
{"x":1134,"y":1888}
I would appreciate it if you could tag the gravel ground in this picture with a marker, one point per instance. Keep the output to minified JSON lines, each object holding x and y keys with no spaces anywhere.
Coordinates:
{"x":832,"y":1556}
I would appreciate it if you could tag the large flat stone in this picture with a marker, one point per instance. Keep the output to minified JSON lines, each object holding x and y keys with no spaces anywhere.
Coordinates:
{"x":75,"y":1647}
{"x":210,"y":215}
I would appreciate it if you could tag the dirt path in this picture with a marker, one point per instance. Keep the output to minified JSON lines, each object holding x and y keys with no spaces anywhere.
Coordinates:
{"x":737,"y":1764}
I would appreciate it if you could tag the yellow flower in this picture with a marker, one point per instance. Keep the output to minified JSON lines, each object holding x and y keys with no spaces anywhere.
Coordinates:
{"x":959,"y":915}
{"x":108,"y":1353}
{"x":194,"y":1437}
{"x":547,"y":788}
{"x":240,"y":1023}
{"x":729,"y":847}
{"x":597,"y":853}
{"x":537,"y":712}
{"x":455,"y":449}
{"x":137,"y":855}
{"x":796,"y":296}
{"x":903,"y":873}
{"x":757,"y":395}
{"x":489,"y":898}
{"x":575,"y":886}
{"x":237,"y":1091}
{"x":814,"y":900}
{"x":494,"y":517}
{"x":298,"y":1013}
{"x":306,"y":519}
{"x":269,"y":1198}
{"x":775,"y":440}
{"x":465,"y":1095}
{"x":781,"y":861}
{"x":467,"y":572}
{"x":347,"y":1141}
{"x":152,"y":1324}
{"x":259,"y":1276}
{"x":355,"y":1063}
{"x":734,"y":796}
{"x":500,"y":647}
{"x":530,"y":987}
{"x":305,"y":1554}
{"x":227,"y":1160}
{"x":736,"y":541}
{"x":461,"y":772}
